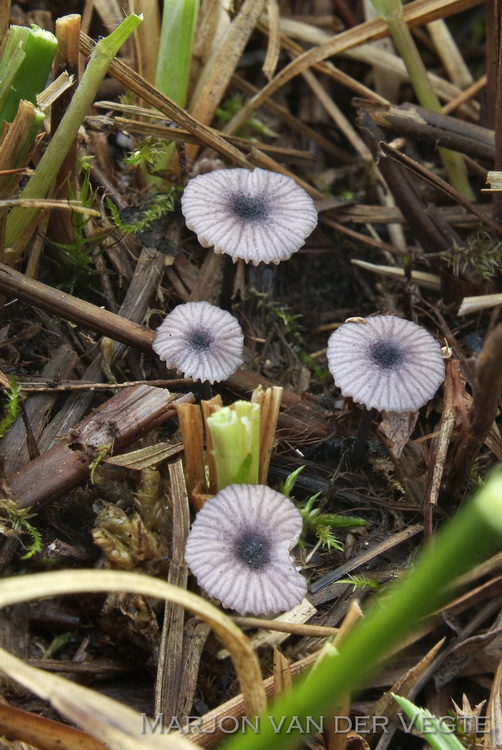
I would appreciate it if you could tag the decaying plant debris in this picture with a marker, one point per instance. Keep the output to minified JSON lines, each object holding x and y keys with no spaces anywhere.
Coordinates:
{"x":102,"y":447}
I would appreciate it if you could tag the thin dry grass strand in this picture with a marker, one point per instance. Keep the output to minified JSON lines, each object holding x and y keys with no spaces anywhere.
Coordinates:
{"x":106,"y":719}
{"x":24,"y":588}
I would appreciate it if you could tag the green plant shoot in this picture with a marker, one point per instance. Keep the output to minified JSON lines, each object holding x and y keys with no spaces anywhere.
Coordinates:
{"x":320,"y":523}
{"x":11,"y":60}
{"x":235,"y":432}
{"x":438,"y":735}
{"x":288,"y":485}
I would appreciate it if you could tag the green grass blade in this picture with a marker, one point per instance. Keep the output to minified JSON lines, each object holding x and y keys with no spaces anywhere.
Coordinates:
{"x":179,"y":19}
{"x":438,"y":734}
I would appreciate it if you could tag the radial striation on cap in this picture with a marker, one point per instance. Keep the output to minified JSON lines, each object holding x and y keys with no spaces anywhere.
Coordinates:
{"x":201,"y":340}
{"x":238,"y":550}
{"x":259,"y":216}
{"x":386,"y":363}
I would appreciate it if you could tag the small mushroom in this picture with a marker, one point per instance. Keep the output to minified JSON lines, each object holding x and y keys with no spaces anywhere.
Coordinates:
{"x":259,"y":216}
{"x":201,"y":340}
{"x":238,"y":550}
{"x":386,"y":363}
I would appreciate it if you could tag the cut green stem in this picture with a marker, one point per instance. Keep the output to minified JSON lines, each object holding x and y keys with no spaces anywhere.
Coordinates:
{"x":235,"y":432}
{"x":11,"y":61}
{"x":26,"y":73}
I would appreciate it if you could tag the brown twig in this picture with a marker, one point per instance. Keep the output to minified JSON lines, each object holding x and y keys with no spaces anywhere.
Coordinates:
{"x":430,"y":228}
{"x":295,"y":628}
{"x":117,"y":423}
{"x":269,"y":402}
{"x":14,"y":444}
{"x":295,"y":123}
{"x":414,"y":13}
{"x":439,"y":447}
{"x":39,"y":731}
{"x":437,"y":183}
{"x":209,"y":136}
{"x":494,"y":89}
{"x":71,"y":308}
{"x":190,"y":420}
{"x":222,"y":63}
{"x":168,"y":696}
{"x":487,"y":390}
{"x":149,"y":93}
{"x":363,"y":558}
{"x":46,"y":387}
{"x":433,"y":127}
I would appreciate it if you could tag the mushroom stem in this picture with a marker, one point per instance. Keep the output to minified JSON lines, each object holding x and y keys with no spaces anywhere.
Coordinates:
{"x":357,"y":452}
{"x":206,"y":390}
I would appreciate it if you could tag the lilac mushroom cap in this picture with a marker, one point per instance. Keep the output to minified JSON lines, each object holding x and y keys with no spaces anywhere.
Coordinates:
{"x":201,"y":340}
{"x":259,"y":216}
{"x":386,"y":363}
{"x":238,"y":550}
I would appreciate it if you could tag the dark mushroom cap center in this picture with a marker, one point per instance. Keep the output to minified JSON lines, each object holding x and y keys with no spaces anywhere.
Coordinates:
{"x":249,"y":207}
{"x":253,"y":549}
{"x":200,"y":339}
{"x":386,"y":354}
